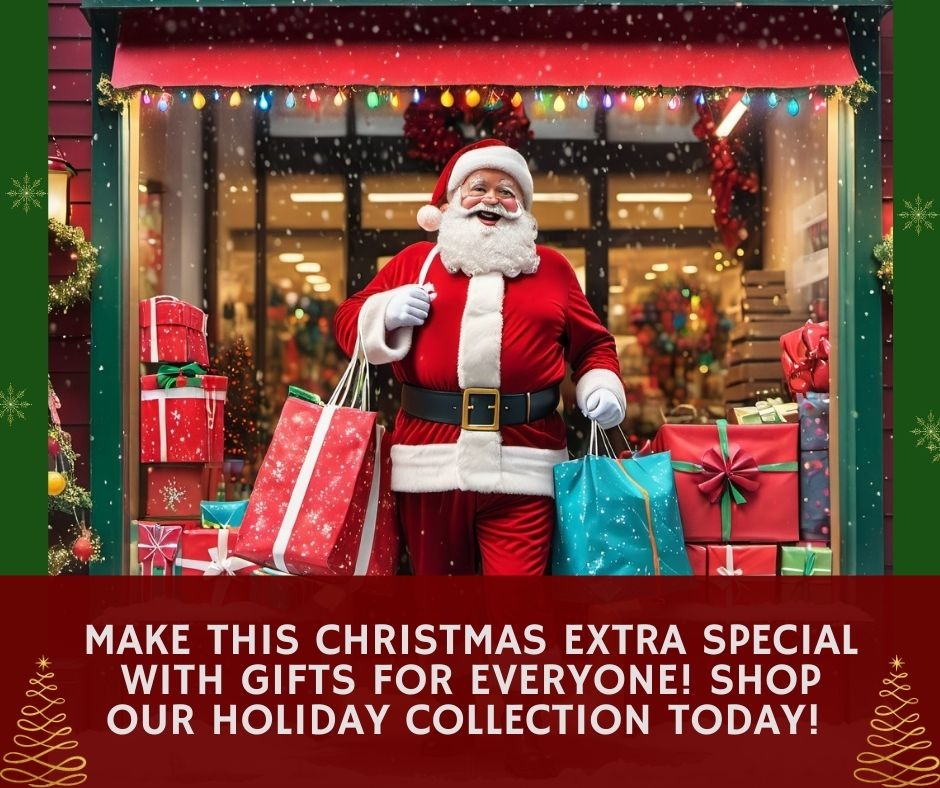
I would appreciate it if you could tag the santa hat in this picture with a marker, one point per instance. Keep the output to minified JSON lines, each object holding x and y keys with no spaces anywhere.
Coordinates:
{"x":488,"y":154}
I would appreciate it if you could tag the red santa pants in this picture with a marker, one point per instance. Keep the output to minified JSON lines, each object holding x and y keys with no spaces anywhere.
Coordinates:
{"x":443,"y":531}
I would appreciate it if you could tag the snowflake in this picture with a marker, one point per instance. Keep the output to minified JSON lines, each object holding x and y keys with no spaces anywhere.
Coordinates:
{"x":918,"y":215}
{"x":927,"y":433}
{"x":12,"y":404}
{"x":26,"y":193}
{"x":172,"y":495}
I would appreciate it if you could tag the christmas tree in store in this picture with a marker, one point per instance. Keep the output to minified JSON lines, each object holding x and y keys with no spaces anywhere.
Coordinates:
{"x":243,"y":399}
{"x":897,"y":739}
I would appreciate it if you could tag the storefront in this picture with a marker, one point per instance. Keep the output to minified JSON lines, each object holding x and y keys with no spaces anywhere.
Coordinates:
{"x":264,"y":162}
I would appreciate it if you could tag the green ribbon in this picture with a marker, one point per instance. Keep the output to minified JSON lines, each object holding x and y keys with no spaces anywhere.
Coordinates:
{"x":307,"y":396}
{"x":731,"y":492}
{"x":168,"y":374}
{"x":810,"y":562}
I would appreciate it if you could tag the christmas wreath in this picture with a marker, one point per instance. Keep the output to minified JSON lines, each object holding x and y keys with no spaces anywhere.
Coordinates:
{"x":731,"y":175}
{"x":76,"y":287}
{"x":434,"y":132}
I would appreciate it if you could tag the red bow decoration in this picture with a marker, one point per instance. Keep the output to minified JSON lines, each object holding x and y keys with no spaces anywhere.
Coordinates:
{"x":738,"y":471}
{"x":157,"y":545}
{"x":805,"y":358}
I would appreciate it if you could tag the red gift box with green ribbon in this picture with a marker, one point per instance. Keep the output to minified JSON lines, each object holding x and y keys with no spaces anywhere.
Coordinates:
{"x":181,"y":415}
{"x":735,"y":483}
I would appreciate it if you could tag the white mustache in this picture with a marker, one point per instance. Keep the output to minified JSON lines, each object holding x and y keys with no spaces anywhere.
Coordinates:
{"x":498,"y":209}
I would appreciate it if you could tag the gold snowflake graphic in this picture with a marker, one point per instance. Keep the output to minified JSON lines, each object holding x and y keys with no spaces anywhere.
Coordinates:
{"x":172,"y":495}
{"x":12,"y":405}
{"x":918,"y":215}
{"x":927,"y":433}
{"x":26,"y":193}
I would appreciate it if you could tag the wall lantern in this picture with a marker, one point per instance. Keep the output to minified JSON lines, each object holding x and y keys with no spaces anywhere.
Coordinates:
{"x":60,"y":173}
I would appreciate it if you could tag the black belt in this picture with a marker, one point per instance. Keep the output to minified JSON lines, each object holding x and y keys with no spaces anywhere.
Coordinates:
{"x":478,"y":409}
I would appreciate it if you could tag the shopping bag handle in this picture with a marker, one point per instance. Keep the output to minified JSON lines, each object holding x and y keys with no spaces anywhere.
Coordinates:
{"x":354,"y":389}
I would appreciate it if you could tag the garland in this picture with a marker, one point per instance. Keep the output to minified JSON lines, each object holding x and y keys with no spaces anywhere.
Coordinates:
{"x":434,"y":132}
{"x":76,"y":287}
{"x":884,"y":254}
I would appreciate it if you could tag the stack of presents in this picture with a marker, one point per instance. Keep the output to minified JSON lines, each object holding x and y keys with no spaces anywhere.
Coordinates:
{"x":322,"y":500}
{"x":745,"y":495}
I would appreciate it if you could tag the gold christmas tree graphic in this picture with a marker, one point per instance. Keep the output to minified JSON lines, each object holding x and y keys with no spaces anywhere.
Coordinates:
{"x":893,"y":761}
{"x":35,"y":761}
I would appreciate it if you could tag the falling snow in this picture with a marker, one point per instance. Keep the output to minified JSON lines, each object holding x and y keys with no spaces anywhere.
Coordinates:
{"x":918,"y":215}
{"x":26,"y":193}
{"x":927,"y":433}
{"x":12,"y":405}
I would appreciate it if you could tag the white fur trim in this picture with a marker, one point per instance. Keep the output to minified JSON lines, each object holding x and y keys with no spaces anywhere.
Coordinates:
{"x":481,"y":332}
{"x":435,"y":468}
{"x":595,"y":379}
{"x":382,"y":346}
{"x":494,"y":157}
{"x":429,"y":218}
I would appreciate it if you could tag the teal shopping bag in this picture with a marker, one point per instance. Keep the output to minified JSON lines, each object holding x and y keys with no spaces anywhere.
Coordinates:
{"x":617,"y":517}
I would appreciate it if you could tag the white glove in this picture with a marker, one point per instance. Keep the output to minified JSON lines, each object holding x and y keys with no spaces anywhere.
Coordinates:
{"x":408,"y":307}
{"x":604,"y":408}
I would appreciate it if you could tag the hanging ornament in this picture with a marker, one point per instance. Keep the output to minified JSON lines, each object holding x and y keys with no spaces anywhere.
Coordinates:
{"x":83,"y":548}
{"x":163,"y":103}
{"x":746,"y":99}
{"x":57,"y":483}
{"x":516,"y":100}
{"x":313,"y":98}
{"x":674,"y":103}
{"x":216,"y":95}
{"x":339,"y":99}
{"x":290,"y":102}
{"x":772,"y":100}
{"x":395,"y":100}
{"x":700,"y":98}
{"x":472,"y":97}
{"x":559,"y":104}
{"x":145,"y":98}
{"x":624,"y":97}
{"x":583,"y":100}
{"x":199,"y":101}
{"x":416,"y":96}
{"x":54,"y":447}
{"x":447,"y":98}
{"x":493,"y":102}
{"x":372,"y":99}
{"x":184,"y":95}
{"x":263,"y":104}
{"x":639,"y":104}
{"x":235,"y":100}
{"x":607,"y":101}
{"x":793,"y":107}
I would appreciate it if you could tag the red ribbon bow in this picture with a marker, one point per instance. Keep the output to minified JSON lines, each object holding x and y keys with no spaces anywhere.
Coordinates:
{"x":738,"y":471}
{"x":157,"y":545}
{"x":805,"y":358}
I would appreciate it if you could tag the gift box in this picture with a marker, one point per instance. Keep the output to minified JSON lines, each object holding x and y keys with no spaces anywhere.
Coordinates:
{"x":172,"y":331}
{"x":770,"y":411}
{"x":176,"y":491}
{"x":206,"y":551}
{"x":736,"y":483}
{"x":746,"y":559}
{"x":814,"y":421}
{"x":617,"y":517}
{"x":698,"y":558}
{"x":318,"y":505}
{"x":804,"y":560}
{"x":815,"y":508}
{"x":222,"y":514}
{"x":805,"y":357}
{"x":182,"y":416}
{"x":156,"y":546}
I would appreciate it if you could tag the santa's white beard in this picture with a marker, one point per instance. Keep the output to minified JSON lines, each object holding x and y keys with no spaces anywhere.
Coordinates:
{"x":468,"y":245}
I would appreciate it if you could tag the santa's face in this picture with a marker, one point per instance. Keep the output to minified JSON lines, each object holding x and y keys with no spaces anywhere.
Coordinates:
{"x":487,"y":228}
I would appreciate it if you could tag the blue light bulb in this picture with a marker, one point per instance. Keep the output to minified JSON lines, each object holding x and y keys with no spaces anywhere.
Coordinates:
{"x":416,"y":97}
{"x":772,"y":100}
{"x":793,"y":107}
{"x":216,"y":95}
{"x":263,"y":103}
{"x":608,"y":100}
{"x":746,"y":99}
{"x":162,"y":104}
{"x":583,"y":101}
{"x":290,"y":102}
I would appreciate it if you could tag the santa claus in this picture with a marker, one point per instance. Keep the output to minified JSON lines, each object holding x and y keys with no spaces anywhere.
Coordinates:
{"x":479,"y":328}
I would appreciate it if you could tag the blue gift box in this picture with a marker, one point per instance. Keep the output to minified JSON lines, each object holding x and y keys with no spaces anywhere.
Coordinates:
{"x":814,"y":421}
{"x":222,"y":514}
{"x":618,"y":517}
{"x":815,"y":507}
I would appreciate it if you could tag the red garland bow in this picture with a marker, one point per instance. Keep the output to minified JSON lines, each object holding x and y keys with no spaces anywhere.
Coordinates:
{"x":805,"y":358}
{"x":738,"y":471}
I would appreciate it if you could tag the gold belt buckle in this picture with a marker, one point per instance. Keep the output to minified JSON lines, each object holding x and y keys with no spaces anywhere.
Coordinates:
{"x":467,"y":407}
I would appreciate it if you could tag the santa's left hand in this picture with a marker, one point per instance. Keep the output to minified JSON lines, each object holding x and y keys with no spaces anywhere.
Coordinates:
{"x":604,"y":408}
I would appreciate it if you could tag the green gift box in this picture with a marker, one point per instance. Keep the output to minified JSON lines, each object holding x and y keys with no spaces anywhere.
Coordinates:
{"x":805,"y":560}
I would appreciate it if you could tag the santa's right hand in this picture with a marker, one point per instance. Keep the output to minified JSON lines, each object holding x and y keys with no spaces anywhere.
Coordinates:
{"x":408,"y":307}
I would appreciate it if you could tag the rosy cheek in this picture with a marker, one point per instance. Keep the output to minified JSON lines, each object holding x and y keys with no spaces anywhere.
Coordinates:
{"x":510,"y":204}
{"x":470,"y":200}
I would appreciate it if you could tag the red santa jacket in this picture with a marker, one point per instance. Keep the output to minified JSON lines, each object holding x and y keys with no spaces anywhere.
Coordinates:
{"x":514,"y":334}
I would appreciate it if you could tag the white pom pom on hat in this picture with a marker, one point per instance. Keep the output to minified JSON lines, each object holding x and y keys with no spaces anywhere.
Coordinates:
{"x":488,"y":154}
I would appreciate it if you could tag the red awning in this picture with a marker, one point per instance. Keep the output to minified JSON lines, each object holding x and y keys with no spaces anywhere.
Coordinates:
{"x":488,"y":45}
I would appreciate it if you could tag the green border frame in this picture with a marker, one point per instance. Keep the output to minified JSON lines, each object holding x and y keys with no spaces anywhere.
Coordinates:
{"x":858,"y":334}
{"x":126,"y":4}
